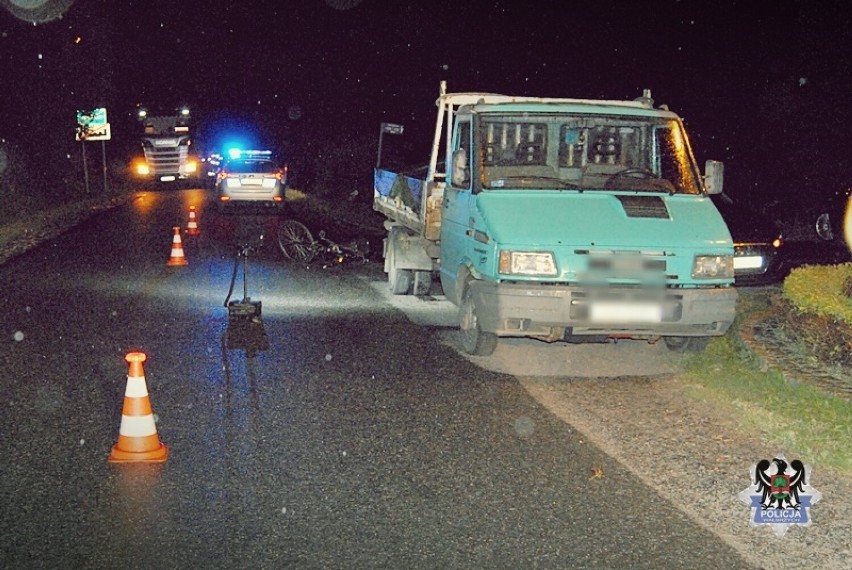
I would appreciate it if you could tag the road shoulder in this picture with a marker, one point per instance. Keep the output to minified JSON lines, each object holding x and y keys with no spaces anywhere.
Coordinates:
{"x":630,"y":400}
{"x":669,"y":434}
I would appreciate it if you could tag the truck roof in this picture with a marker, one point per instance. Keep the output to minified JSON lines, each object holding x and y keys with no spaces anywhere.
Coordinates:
{"x":492,"y":102}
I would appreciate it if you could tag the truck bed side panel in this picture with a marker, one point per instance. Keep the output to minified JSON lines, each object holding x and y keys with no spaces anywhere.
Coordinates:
{"x":399,"y":197}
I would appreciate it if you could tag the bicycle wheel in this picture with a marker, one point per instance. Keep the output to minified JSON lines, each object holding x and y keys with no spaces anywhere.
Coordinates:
{"x":296,"y":241}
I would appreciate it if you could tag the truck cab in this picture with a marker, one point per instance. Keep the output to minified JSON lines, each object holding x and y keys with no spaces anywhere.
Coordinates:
{"x":577,"y":220}
{"x":166,"y":143}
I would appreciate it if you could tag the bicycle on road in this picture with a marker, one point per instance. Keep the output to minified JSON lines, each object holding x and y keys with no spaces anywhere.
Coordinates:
{"x":297,"y":243}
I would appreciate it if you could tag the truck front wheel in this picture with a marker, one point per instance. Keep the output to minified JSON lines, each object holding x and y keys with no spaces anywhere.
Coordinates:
{"x":472,"y":338}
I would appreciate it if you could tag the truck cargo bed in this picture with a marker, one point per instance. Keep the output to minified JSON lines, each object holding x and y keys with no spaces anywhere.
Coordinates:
{"x":403,"y":199}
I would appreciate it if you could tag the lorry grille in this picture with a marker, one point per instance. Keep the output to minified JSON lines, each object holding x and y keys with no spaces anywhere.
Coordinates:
{"x":166,"y":160}
{"x":608,"y":265}
{"x":644,"y":207}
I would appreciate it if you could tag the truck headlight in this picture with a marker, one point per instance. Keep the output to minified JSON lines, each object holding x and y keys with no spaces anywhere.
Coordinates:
{"x":713,"y":267}
{"x":527,"y":263}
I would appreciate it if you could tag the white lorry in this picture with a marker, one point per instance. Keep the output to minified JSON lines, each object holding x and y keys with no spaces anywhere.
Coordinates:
{"x":166,"y":146}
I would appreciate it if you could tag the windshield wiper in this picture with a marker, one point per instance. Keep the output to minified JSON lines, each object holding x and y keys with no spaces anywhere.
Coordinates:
{"x":638,"y":180}
{"x":563,"y":184}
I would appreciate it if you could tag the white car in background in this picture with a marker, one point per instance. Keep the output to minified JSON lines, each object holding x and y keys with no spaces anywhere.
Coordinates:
{"x":250,"y":180}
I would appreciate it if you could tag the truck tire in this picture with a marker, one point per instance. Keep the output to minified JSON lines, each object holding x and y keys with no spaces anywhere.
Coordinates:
{"x":422,"y":282}
{"x":686,"y":343}
{"x":471,"y":337}
{"x":399,"y":280}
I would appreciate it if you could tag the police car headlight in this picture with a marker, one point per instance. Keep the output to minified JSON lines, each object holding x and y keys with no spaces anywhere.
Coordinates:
{"x":713,"y":267}
{"x":527,"y":263}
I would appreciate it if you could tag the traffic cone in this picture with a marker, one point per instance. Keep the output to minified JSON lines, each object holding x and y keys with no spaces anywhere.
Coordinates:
{"x":177,"y":258}
{"x":137,"y":437}
{"x":192,"y":224}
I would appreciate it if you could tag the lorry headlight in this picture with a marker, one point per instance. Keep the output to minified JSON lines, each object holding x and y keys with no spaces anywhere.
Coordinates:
{"x":713,"y":267}
{"x":527,"y":263}
{"x":142,"y":169}
{"x":191,"y":166}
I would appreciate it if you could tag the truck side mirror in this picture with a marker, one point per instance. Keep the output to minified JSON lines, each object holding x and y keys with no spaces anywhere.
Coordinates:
{"x":714,"y":173}
{"x":461,"y":171}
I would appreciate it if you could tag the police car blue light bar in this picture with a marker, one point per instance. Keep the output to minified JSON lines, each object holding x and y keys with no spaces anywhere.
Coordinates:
{"x":236,"y":153}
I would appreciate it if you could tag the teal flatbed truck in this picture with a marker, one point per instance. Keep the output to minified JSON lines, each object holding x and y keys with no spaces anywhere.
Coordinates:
{"x":563,"y":220}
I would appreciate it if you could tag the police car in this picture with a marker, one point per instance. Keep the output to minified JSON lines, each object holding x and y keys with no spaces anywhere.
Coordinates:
{"x":250,"y":180}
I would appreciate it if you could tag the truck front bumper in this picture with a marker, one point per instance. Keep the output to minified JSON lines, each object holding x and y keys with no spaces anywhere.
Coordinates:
{"x":558,"y":311}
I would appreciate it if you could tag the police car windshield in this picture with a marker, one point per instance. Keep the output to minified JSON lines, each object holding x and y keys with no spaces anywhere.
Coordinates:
{"x":250,"y":166}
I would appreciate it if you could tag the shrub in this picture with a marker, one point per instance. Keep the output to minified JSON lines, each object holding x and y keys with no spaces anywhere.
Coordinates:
{"x":821,"y":290}
{"x":817,"y":311}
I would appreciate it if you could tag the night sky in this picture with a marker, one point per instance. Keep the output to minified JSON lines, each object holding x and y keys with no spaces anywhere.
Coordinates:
{"x":764,"y":86}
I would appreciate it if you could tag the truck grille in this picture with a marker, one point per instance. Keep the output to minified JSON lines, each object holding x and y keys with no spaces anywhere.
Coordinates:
{"x":619,"y":265}
{"x":165,"y":160}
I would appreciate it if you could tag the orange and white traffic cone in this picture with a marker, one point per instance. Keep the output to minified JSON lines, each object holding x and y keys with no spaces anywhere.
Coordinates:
{"x":177,"y":258}
{"x":137,"y":438}
{"x":192,"y":224}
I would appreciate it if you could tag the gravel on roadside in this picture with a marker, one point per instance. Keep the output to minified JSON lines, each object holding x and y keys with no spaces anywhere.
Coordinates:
{"x":666,"y":433}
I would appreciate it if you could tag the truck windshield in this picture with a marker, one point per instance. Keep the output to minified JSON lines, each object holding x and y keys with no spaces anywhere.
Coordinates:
{"x":586,"y":152}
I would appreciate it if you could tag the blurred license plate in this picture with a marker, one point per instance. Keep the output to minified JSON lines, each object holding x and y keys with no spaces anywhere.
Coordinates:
{"x":620,"y":312}
{"x":749,"y":262}
{"x":168,"y":178}
{"x":251,"y":181}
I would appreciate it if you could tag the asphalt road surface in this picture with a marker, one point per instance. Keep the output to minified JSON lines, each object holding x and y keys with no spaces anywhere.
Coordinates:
{"x":336,"y":434}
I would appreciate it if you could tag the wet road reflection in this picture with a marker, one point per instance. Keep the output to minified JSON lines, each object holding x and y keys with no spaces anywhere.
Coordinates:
{"x":332,"y":434}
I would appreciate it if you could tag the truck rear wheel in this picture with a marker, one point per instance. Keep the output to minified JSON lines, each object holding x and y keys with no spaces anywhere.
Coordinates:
{"x":686,"y":343}
{"x":399,"y":280}
{"x":472,"y":338}
{"x":422,"y":282}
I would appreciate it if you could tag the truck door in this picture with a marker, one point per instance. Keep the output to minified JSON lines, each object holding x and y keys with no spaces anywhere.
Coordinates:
{"x":456,"y":210}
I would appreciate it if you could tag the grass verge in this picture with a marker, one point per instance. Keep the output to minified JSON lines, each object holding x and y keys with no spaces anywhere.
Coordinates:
{"x":24,"y":227}
{"x":796,"y":417}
